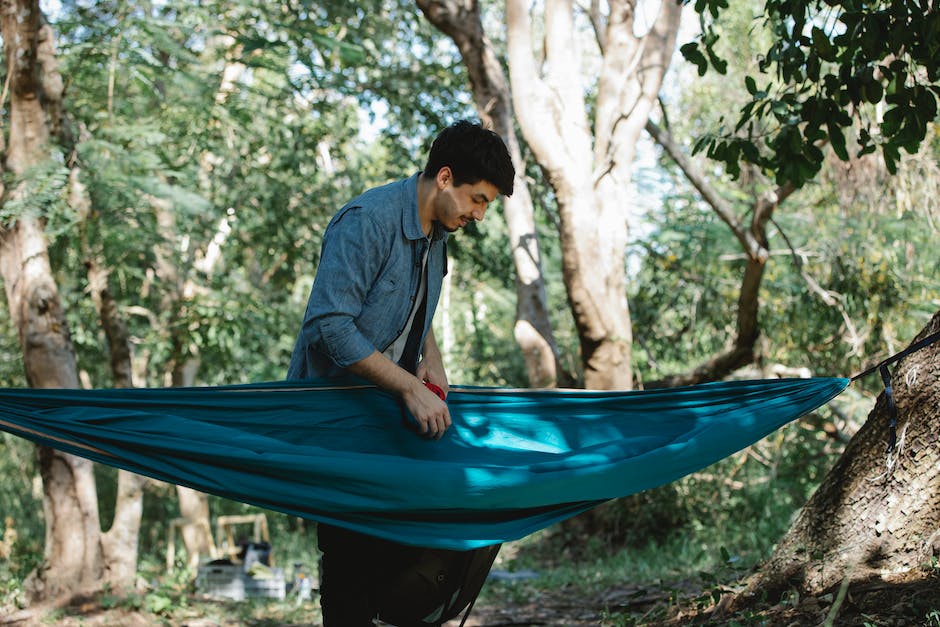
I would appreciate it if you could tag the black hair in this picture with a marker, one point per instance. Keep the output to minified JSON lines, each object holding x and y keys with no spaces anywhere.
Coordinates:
{"x":473,"y":154}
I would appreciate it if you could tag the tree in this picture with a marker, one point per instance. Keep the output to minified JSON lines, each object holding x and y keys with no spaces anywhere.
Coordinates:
{"x":587,"y":152}
{"x":72,"y":556}
{"x":755,"y":245}
{"x":876,"y":515}
{"x":868,"y":70}
{"x":834,"y":70}
{"x":117,"y":165}
{"x":460,"y":20}
{"x":864,"y":224}
{"x":204,"y":145}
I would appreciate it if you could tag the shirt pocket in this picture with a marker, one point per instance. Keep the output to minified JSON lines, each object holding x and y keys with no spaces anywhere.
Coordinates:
{"x":386,"y":289}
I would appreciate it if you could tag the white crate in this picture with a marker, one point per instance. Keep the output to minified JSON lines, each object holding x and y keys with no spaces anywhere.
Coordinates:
{"x":230,"y":581}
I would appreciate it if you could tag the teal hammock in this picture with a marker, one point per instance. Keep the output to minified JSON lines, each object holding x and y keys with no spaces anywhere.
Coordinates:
{"x":513,"y":462}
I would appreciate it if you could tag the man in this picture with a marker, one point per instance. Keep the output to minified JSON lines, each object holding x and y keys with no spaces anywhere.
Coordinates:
{"x":369,"y":314}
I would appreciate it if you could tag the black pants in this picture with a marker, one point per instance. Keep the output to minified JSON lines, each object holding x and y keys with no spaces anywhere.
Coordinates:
{"x":353,"y":568}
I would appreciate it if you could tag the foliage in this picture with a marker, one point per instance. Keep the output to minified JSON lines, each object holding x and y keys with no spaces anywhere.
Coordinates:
{"x":258,"y":166}
{"x":40,"y":193}
{"x":863,"y":235}
{"x":833,"y":69}
{"x":21,"y":528}
{"x":231,"y":164}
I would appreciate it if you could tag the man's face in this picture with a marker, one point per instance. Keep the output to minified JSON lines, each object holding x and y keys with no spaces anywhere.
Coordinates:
{"x":458,"y":205}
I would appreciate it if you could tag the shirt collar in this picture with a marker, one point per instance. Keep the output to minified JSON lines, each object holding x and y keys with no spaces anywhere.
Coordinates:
{"x":411,"y":221}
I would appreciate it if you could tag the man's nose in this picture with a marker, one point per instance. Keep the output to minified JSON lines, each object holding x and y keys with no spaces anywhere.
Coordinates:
{"x":478,"y":214}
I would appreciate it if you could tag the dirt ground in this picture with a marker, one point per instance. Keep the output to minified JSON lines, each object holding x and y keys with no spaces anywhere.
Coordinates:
{"x":903,"y":604}
{"x":907,"y":604}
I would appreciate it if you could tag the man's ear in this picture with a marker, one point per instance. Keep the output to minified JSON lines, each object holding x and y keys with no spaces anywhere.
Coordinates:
{"x":444,"y":177}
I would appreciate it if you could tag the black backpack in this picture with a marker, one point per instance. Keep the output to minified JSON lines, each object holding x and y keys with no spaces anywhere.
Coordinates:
{"x":437,"y":587}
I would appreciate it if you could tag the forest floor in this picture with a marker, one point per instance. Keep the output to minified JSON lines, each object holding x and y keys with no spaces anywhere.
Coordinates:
{"x":915,"y":601}
{"x":909,"y":603}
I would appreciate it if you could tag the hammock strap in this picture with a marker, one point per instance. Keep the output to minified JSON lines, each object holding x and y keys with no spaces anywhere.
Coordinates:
{"x":927,"y":341}
{"x":892,"y":409}
{"x":882,"y":367}
{"x":466,"y":614}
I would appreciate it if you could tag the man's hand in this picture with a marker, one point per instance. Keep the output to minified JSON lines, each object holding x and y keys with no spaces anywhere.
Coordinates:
{"x":431,"y":368}
{"x":429,"y":411}
{"x":433,"y":373}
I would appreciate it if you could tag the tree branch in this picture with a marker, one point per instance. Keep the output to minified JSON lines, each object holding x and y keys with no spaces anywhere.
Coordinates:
{"x":697,"y":178}
{"x":598,"y":24}
{"x":530,"y":95}
{"x":829,"y":297}
{"x":754,"y":242}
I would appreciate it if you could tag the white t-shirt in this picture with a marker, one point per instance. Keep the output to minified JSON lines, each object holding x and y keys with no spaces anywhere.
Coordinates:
{"x":397,"y":348}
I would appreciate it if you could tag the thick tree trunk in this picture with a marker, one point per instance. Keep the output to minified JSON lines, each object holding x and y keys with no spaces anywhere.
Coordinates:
{"x":875,"y":515}
{"x":120,"y":543}
{"x":460,"y":20}
{"x":591,"y":172}
{"x":72,"y":556}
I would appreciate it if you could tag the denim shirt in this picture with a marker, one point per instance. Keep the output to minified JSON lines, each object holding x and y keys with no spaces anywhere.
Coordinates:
{"x":367,"y":281}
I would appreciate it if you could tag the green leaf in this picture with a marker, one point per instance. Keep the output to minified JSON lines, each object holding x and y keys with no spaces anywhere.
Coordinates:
{"x":750,"y":84}
{"x":891,"y":156}
{"x":822,"y":45}
{"x":891,"y":121}
{"x":837,"y":139}
{"x":693,"y":55}
{"x":750,"y":152}
{"x":702,"y":143}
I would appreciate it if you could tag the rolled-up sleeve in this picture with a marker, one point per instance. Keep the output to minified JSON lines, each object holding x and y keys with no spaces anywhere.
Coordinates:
{"x":354,"y":249}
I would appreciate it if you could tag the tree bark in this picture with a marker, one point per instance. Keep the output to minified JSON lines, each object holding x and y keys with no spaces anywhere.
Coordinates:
{"x":120,"y":543}
{"x":72,"y":554}
{"x":194,"y":507}
{"x":591,"y":172}
{"x":460,"y":20}
{"x":876,"y":515}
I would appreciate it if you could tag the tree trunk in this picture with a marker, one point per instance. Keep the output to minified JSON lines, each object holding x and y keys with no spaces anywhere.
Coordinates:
{"x":72,"y":555}
{"x":875,"y":515}
{"x":591,"y":172}
{"x":460,"y":20}
{"x":194,"y":507}
{"x":120,"y":543}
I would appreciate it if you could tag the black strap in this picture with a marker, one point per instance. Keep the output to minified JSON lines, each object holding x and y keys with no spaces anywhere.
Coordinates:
{"x":892,"y":409}
{"x":927,"y":341}
{"x":467,"y":613}
{"x":882,"y":367}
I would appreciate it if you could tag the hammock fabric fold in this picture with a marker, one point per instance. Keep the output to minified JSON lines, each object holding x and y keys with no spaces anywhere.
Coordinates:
{"x":515,"y":461}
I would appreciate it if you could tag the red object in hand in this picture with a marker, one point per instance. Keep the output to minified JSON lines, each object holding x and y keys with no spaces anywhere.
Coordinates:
{"x":437,"y":390}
